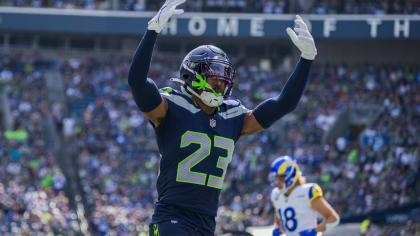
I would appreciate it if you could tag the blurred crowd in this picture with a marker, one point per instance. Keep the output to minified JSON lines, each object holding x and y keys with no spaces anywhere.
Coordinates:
{"x":245,"y":6}
{"x":113,"y":136}
{"x":379,"y":170}
{"x":119,"y":159}
{"x":32,"y":197}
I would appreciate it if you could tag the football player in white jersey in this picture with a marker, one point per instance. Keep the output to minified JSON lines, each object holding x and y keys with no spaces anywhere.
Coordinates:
{"x":297,"y":203}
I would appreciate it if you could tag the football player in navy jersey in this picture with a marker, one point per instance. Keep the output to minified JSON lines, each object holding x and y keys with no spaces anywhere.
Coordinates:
{"x":198,"y":126}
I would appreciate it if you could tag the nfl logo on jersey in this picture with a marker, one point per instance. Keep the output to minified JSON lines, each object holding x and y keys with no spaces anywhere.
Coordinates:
{"x":212,"y":123}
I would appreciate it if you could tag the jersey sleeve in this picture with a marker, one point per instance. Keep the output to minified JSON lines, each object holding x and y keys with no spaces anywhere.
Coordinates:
{"x":314,"y":192}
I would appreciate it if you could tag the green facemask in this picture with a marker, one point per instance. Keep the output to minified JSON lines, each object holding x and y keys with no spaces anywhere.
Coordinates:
{"x":203,"y":84}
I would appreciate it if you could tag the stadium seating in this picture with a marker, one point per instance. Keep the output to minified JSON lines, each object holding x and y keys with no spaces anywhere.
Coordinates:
{"x":32,"y":200}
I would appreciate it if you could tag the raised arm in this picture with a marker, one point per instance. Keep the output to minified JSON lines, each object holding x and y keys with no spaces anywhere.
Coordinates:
{"x":272,"y":109}
{"x":145,"y":93}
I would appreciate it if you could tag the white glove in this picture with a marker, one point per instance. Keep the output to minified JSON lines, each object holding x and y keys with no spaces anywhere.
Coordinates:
{"x":303,"y":40}
{"x":158,"y":22}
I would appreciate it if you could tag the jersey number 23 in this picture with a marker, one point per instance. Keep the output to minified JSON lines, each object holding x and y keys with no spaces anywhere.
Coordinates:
{"x":186,"y":175}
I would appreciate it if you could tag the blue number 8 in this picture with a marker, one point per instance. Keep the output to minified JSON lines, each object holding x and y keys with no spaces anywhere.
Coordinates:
{"x":289,"y":215}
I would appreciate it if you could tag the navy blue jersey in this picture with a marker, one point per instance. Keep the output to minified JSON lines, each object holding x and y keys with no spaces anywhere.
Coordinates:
{"x":196,"y":149}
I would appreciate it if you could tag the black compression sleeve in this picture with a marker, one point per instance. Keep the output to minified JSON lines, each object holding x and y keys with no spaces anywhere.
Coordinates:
{"x":273,"y":109}
{"x":145,"y":93}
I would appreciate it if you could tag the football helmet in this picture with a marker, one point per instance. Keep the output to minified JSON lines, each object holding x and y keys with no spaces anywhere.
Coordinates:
{"x":201,"y":63}
{"x":285,"y":166}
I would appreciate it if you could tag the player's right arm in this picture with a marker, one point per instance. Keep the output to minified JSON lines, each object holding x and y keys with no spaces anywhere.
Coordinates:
{"x":145,"y":93}
{"x":272,"y":109}
{"x":320,"y":205}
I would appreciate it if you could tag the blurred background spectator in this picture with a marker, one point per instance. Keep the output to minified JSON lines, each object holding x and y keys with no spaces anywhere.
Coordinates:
{"x":32,"y":198}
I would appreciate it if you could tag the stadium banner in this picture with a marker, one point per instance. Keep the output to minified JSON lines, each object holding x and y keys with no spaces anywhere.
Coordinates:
{"x":208,"y":24}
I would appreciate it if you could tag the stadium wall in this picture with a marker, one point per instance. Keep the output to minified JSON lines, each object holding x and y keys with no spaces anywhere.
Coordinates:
{"x":350,"y":38}
{"x":209,"y":24}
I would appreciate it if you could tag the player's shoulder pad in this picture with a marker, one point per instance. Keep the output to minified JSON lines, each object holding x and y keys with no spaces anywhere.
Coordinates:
{"x":232,"y":108}
{"x":167,"y":90}
{"x":179,"y":99}
{"x":231,"y":102}
{"x":170,"y":92}
{"x":314,"y":192}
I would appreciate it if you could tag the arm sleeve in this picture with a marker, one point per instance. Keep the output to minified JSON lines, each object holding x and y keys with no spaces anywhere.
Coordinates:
{"x":273,"y":109}
{"x":145,"y":93}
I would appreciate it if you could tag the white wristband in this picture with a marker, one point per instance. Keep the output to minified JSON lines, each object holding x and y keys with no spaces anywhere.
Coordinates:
{"x":332,"y":225}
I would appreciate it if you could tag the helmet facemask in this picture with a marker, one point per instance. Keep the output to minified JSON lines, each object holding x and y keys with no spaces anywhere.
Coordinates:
{"x":208,"y":95}
{"x":194,"y":80}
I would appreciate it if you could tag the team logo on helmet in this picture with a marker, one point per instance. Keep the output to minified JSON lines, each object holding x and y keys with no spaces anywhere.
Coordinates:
{"x":288,"y":168}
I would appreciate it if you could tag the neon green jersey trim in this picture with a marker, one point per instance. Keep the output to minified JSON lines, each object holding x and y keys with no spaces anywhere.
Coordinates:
{"x":166,"y":89}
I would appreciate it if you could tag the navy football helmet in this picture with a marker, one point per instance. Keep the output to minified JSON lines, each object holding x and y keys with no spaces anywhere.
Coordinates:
{"x":204,"y":62}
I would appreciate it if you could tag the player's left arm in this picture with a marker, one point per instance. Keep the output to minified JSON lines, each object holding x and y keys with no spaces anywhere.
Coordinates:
{"x":320,"y":205}
{"x":278,"y":226}
{"x":271,"y":110}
